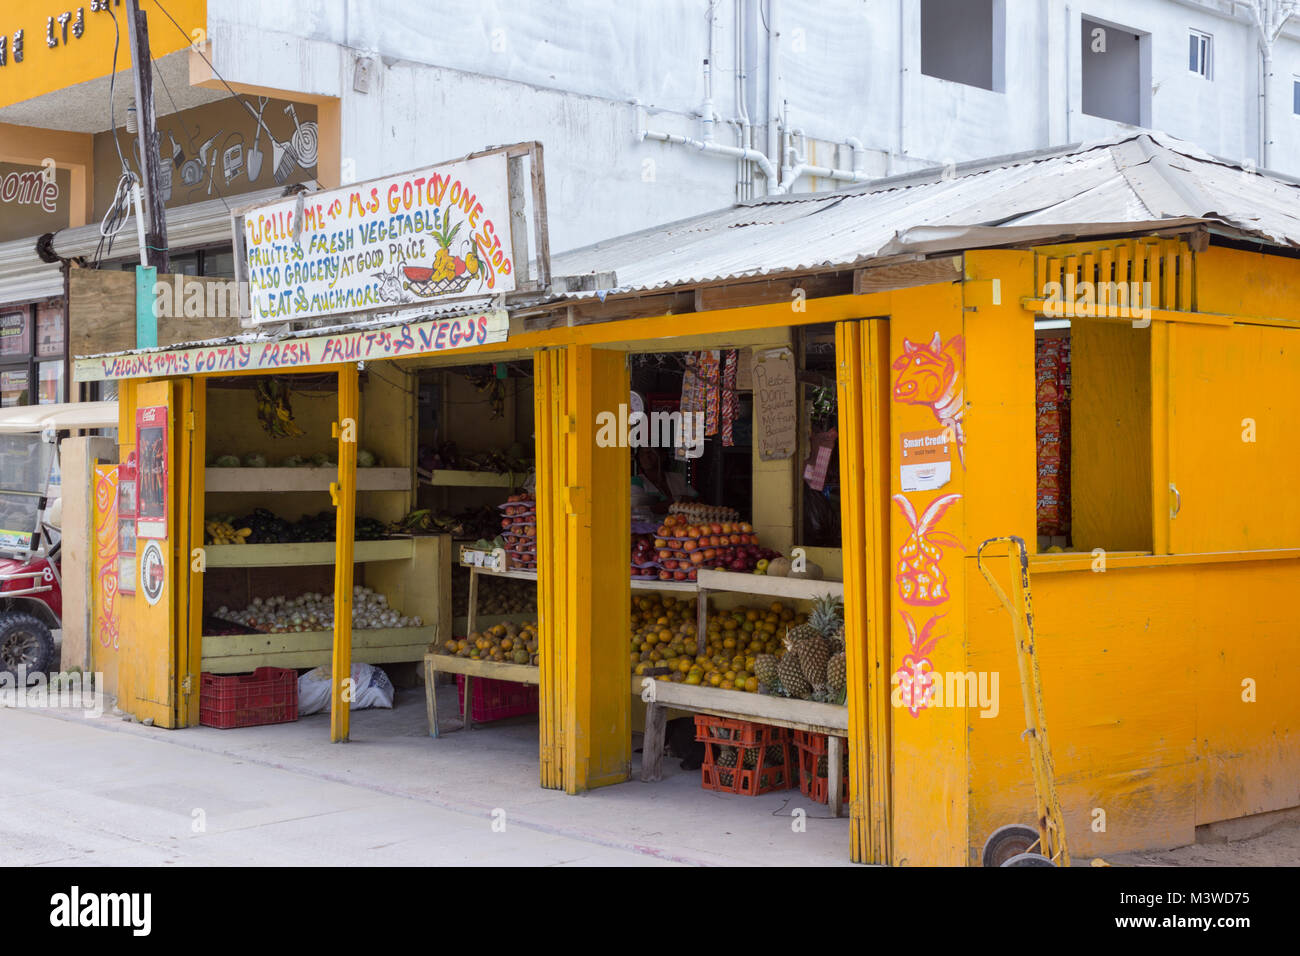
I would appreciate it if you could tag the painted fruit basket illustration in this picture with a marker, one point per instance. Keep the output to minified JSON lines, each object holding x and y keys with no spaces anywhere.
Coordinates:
{"x":449,"y":274}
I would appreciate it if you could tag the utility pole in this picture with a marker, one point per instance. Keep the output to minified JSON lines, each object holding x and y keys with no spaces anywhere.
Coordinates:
{"x":155,"y":233}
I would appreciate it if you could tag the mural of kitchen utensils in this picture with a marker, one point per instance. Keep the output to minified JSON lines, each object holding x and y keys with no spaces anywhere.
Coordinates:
{"x":164,"y":169}
{"x":218,"y":162}
{"x":303,"y":139}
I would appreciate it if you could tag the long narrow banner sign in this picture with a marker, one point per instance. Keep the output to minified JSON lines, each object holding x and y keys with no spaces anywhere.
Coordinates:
{"x":390,"y":342}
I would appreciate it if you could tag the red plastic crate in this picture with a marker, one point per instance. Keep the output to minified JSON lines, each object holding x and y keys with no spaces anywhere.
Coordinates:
{"x":812,"y":749}
{"x":497,"y":699}
{"x":766,"y":774}
{"x":269,"y":695}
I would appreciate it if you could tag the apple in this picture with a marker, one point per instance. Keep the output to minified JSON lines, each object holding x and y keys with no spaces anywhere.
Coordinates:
{"x":710,"y":554}
{"x":679,"y":532}
{"x":664,"y":531}
{"x":679,"y":575}
{"x":716,"y":527}
{"x":661,"y":542}
{"x":690,"y":576}
{"x":746,"y":527}
{"x":665,"y":576}
{"x":697,"y":557}
{"x":690,"y":544}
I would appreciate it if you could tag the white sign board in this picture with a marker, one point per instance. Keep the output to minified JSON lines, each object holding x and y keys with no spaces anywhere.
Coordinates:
{"x":429,"y":235}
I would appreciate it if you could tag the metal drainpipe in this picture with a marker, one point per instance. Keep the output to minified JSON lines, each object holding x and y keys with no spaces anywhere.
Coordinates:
{"x":773,"y":90}
{"x":902,"y":78}
{"x":707,"y":109}
{"x":1265,"y":151}
{"x":744,"y":172}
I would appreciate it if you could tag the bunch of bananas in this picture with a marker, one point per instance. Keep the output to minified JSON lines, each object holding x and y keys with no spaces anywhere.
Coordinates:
{"x":223,"y":532}
{"x":274,"y":410}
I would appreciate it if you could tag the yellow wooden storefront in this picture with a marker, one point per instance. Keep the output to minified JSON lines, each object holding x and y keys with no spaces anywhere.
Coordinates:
{"x":1168,"y":639}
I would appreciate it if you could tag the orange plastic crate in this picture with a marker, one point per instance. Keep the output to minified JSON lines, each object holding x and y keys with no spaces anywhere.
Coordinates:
{"x":812,"y":749}
{"x":767,"y":773}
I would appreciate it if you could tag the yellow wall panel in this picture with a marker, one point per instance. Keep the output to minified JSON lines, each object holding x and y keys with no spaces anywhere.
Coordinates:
{"x":1142,"y":672}
{"x":1233,"y":449}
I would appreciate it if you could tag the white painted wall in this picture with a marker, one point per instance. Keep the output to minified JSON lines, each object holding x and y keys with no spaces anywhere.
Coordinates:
{"x":453,"y":77}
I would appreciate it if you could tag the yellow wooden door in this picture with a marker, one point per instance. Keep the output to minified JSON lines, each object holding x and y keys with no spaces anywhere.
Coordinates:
{"x":1232,"y":452}
{"x":862,"y":361}
{"x":147,"y":670}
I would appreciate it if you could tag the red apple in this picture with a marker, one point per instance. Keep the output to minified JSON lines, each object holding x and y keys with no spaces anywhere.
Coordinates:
{"x":665,"y":576}
{"x":697,"y":557}
{"x":679,"y":575}
{"x":690,"y":575}
{"x":690,"y":544}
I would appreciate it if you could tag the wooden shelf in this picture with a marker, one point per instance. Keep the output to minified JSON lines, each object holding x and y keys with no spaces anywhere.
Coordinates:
{"x":451,"y":478}
{"x":805,"y":715}
{"x":795,"y":588}
{"x":497,"y":670}
{"x":304,"y":553}
{"x":230,"y":653}
{"x":637,"y":584}
{"x":301,"y":479}
{"x":460,"y":625}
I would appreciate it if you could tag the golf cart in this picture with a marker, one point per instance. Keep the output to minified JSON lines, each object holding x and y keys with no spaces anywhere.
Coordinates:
{"x":31,"y":586}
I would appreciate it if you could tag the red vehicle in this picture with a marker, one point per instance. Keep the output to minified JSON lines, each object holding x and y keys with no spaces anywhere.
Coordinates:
{"x":31,"y":588}
{"x":31,"y":608}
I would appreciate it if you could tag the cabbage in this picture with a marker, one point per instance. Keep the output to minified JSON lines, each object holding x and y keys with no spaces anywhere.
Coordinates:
{"x":226,"y":461}
{"x":365,"y":459}
{"x":254,"y":461}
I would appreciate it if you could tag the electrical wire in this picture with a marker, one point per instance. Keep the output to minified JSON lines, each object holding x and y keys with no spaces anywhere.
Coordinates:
{"x":119,"y":211}
{"x":241,"y":100}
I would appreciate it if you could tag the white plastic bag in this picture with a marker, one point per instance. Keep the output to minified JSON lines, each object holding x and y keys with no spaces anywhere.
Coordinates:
{"x":370,"y":688}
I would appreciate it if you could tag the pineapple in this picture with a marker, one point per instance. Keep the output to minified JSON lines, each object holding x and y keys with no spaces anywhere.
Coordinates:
{"x":726,"y":756}
{"x":814,"y":653}
{"x":774,"y":756}
{"x":765,"y":669}
{"x":791,"y":673}
{"x":444,"y":266}
{"x":825,"y":617}
{"x":800,"y":633}
{"x":837,"y":677}
{"x":921,"y":580}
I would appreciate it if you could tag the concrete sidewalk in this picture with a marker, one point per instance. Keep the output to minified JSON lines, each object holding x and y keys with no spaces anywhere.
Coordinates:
{"x":106,"y":791}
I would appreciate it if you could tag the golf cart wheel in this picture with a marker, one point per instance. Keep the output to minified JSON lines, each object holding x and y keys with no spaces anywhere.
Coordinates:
{"x":1014,"y":839}
{"x":25,"y":641}
{"x":1029,"y":859}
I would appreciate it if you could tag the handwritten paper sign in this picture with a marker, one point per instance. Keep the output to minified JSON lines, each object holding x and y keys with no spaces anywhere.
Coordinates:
{"x":775,"y":406}
{"x":411,"y":338}
{"x":432,"y":234}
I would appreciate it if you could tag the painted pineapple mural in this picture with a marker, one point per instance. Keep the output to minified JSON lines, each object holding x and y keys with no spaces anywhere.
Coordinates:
{"x":921,"y":581}
{"x":914,"y":679}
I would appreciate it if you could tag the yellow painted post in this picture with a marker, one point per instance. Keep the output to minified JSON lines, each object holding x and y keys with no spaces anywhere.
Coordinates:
{"x":930,"y":759}
{"x":862,"y":350}
{"x":344,"y":492}
{"x":191,"y":434}
{"x":596,"y":588}
{"x":548,"y":399}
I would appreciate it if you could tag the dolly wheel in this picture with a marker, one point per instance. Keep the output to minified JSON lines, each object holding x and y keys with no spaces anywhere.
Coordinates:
{"x":1029,"y":859}
{"x":1014,"y":839}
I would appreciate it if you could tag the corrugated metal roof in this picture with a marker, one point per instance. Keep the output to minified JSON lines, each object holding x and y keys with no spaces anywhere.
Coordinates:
{"x":1133,"y":184}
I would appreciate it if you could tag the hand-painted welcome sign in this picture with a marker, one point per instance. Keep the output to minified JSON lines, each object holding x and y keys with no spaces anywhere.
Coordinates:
{"x":436,"y":233}
{"x":361,"y":345}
